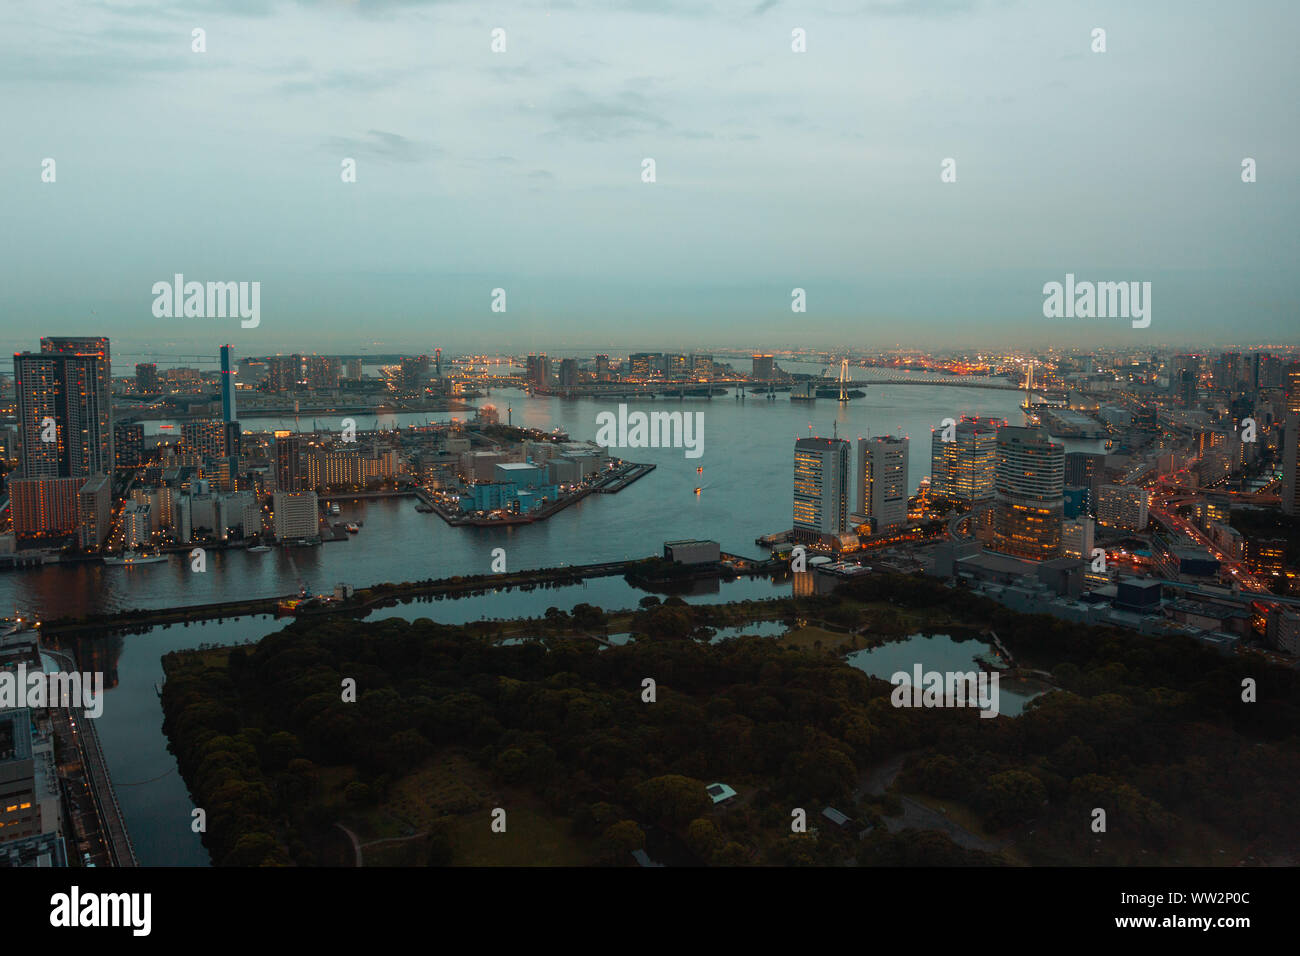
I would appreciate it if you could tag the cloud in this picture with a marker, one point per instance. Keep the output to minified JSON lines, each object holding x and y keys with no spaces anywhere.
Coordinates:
{"x":379,"y":144}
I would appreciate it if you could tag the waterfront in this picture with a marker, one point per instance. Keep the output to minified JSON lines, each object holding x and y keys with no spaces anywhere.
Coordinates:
{"x":744,"y":492}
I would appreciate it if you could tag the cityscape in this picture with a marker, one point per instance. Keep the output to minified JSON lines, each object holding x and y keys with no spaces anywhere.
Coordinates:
{"x":853,"y":437}
{"x":1177,"y":516}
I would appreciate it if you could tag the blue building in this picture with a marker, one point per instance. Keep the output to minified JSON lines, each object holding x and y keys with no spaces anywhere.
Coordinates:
{"x":227,"y":385}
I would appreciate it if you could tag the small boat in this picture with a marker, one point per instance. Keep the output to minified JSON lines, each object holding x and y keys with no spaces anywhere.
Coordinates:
{"x":352,"y":528}
{"x":132,"y":558}
{"x":697,"y":491}
{"x":259,"y":549}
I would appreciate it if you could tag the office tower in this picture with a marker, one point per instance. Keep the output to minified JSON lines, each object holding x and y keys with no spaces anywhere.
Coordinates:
{"x":227,"y":385}
{"x":1029,"y":503}
{"x":602,"y":368}
{"x":146,"y":378}
{"x":289,"y":463}
{"x":701,"y":365}
{"x":1184,"y":371}
{"x":1291,"y":388}
{"x":645,"y":364}
{"x":964,"y":468}
{"x":128,"y":444}
{"x":882,"y":481}
{"x":1290,"y":485}
{"x":354,"y":369}
{"x":568,"y":373}
{"x":1122,"y":506}
{"x":821,"y":489}
{"x":207,"y":439}
{"x":437,"y":363}
{"x":675,"y":365}
{"x":1086,"y":470}
{"x":1268,"y":371}
{"x":764,"y":368}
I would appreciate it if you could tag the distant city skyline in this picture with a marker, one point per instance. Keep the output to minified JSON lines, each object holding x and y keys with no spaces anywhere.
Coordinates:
{"x":775,"y":170}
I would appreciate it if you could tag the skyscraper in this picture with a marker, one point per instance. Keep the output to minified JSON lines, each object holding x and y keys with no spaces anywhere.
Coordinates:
{"x":964,"y":468}
{"x":1029,"y":502}
{"x":1086,"y":470}
{"x":146,"y":377}
{"x":821,"y":489}
{"x":882,"y":481}
{"x":764,"y":368}
{"x":1290,"y":453}
{"x":289,"y":463}
{"x":227,"y":385}
{"x":65,"y":417}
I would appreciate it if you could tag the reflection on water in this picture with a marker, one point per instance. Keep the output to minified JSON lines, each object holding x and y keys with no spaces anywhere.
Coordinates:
{"x":935,"y":652}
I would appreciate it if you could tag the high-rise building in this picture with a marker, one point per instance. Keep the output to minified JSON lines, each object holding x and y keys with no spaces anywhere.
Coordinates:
{"x":1029,"y":503}
{"x":206,"y":438}
{"x":64,"y":416}
{"x":602,"y":368}
{"x":1122,"y":506}
{"x":1290,"y":453}
{"x":538,"y":371}
{"x":701,"y":364}
{"x":146,"y":378}
{"x":295,"y":515}
{"x":128,"y":444}
{"x":882,"y":481}
{"x":764,"y":368}
{"x":568,"y":372}
{"x":1291,"y":388}
{"x":94,"y":511}
{"x":821,"y":489}
{"x":964,"y":468}
{"x":227,"y":385}
{"x":675,"y":365}
{"x":354,"y":369}
{"x":99,"y":406}
{"x":1086,"y":470}
{"x":645,"y":364}
{"x":289,"y":472}
{"x":45,"y":509}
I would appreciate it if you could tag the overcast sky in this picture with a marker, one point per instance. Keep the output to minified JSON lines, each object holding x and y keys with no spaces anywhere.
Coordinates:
{"x":522,"y":170}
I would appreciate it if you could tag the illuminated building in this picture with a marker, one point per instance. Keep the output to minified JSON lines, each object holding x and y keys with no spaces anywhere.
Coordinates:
{"x":882,"y":482}
{"x":1123,"y":507}
{"x":965,"y":468}
{"x":821,"y":489}
{"x":1029,"y":504}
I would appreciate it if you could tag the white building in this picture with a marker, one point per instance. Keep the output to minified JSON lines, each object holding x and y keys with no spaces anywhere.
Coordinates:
{"x":295,"y":515}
